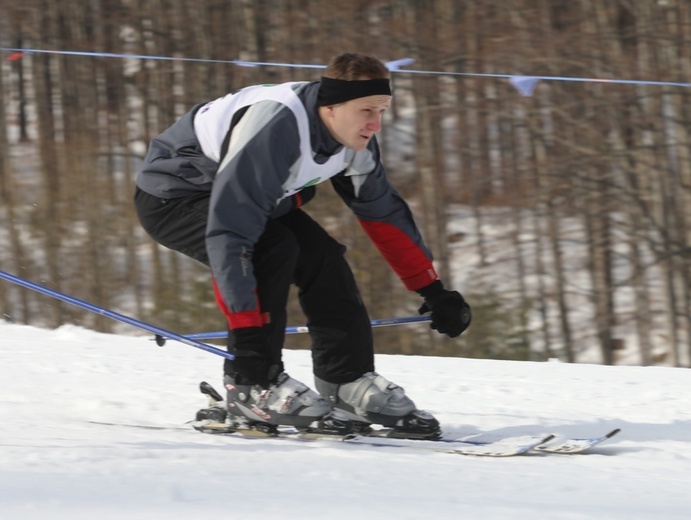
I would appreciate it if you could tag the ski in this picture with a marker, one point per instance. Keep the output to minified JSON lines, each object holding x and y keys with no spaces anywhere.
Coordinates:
{"x":560,"y":444}
{"x":139,"y":426}
{"x":504,"y":447}
{"x":472,"y":445}
{"x":500,"y":447}
{"x":557,"y":444}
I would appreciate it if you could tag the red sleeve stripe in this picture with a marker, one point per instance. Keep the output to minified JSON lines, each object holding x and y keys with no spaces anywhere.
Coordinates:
{"x":407,"y":260}
{"x":239,"y":320}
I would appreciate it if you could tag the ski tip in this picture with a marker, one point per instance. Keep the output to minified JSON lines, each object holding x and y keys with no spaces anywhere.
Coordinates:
{"x":612,"y":433}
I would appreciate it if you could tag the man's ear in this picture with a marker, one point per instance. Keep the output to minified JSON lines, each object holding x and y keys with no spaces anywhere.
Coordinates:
{"x":326,"y":112}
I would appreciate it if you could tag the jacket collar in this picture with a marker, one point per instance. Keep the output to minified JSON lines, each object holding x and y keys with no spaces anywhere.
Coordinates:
{"x":323,"y":144}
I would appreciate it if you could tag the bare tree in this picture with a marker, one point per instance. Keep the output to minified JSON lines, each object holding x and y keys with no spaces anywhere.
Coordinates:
{"x":581,"y":174}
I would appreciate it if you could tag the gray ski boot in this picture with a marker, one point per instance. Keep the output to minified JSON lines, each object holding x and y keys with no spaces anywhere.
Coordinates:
{"x":287,"y":402}
{"x":372,"y":399}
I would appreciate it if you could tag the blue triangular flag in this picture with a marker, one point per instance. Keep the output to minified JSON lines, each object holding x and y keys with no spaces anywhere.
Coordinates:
{"x":524,"y":84}
{"x":397,"y":64}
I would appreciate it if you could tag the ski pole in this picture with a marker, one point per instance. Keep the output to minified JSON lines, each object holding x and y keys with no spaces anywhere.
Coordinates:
{"x":114,"y":315}
{"x":301,"y":329}
{"x":161,"y":335}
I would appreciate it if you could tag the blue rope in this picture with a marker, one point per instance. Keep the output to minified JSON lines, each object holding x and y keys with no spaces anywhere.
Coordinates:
{"x":525,"y":84}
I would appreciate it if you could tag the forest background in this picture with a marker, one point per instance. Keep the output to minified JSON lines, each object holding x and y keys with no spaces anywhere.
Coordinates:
{"x":564,"y":216}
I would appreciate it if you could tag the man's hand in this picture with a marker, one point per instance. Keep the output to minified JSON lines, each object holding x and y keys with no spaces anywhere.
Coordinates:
{"x":450,"y":313}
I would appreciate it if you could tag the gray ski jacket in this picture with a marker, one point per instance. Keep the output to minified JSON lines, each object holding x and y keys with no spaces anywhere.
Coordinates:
{"x":255,"y":151}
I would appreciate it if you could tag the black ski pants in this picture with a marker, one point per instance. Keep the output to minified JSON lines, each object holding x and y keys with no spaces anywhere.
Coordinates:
{"x":293,"y":249}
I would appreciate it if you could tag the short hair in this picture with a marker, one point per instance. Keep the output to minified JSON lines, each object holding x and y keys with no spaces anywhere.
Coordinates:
{"x":352,"y":66}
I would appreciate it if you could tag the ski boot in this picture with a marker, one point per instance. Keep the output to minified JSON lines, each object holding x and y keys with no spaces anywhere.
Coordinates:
{"x":372,"y":399}
{"x":287,"y":402}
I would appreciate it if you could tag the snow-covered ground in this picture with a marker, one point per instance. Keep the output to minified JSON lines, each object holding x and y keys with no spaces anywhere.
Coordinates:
{"x":56,"y":463}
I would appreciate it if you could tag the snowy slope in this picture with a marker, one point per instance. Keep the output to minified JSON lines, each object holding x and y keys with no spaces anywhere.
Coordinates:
{"x":55,"y":464}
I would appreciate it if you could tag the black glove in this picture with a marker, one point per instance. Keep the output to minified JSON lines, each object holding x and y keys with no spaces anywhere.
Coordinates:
{"x":253,"y":363}
{"x":450,"y":313}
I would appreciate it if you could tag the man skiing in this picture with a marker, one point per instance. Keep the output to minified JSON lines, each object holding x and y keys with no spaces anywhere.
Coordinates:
{"x":225,"y":184}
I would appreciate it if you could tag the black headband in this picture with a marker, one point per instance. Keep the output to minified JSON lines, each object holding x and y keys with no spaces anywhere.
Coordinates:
{"x":334,"y":91}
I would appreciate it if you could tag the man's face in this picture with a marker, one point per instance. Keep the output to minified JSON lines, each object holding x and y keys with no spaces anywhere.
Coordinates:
{"x":354,"y":122}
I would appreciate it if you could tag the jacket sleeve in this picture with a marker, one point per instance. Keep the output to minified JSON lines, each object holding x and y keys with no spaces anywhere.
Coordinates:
{"x":386,"y":218}
{"x":245,"y":193}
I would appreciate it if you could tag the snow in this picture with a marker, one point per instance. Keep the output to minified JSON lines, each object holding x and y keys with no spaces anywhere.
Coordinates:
{"x":57,"y":462}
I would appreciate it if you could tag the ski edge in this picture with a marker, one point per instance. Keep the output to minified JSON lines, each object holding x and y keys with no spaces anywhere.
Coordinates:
{"x":504,"y":447}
